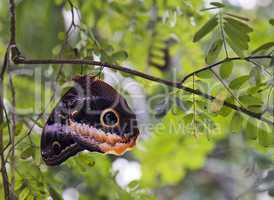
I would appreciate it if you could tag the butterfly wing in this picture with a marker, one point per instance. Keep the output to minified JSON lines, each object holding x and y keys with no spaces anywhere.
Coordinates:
{"x":93,"y":116}
{"x":57,"y":143}
{"x":105,"y":123}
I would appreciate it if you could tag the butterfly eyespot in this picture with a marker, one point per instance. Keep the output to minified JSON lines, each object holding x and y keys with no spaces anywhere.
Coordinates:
{"x":56,"y":146}
{"x":71,"y":129}
{"x":109,"y":118}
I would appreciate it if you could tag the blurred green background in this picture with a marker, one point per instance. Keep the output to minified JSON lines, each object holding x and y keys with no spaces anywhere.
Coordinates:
{"x":190,"y":148}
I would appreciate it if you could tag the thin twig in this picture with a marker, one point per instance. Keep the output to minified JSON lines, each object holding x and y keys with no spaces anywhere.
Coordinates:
{"x":148,"y":77}
{"x":260,"y":67}
{"x":226,"y":87}
{"x":4,"y":173}
{"x":223,"y":61}
{"x":13,"y":119}
{"x":269,"y":95}
{"x":12,"y":23}
{"x":35,"y":121}
{"x":9,"y":129}
{"x":223,"y":34}
{"x":268,"y":100}
{"x":5,"y":179}
{"x":194,"y":108}
{"x":4,"y":65}
{"x":67,"y":34}
{"x":137,"y":73}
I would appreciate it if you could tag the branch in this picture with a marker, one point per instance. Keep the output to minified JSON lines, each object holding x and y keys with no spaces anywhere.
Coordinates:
{"x":260,"y":67}
{"x":149,"y":77}
{"x":9,"y":129}
{"x":12,"y":22}
{"x":248,"y":58}
{"x":226,"y":87}
{"x":3,"y":163}
{"x":222,"y":33}
{"x":13,"y":129}
{"x":12,"y":42}
{"x":16,"y":57}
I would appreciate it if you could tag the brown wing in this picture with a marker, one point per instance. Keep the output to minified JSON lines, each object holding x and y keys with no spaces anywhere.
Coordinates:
{"x":108,"y":141}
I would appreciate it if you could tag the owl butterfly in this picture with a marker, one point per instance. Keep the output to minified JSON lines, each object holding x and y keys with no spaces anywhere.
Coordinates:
{"x":91,"y":116}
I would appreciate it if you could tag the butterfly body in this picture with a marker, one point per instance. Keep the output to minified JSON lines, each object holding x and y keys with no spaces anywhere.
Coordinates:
{"x":91,"y":116}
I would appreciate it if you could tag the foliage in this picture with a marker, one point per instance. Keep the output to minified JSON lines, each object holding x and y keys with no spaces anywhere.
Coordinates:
{"x":187,"y":131}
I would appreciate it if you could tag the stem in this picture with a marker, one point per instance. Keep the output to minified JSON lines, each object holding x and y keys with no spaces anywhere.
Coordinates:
{"x":194,"y":108}
{"x":12,"y":23}
{"x":3,"y":163}
{"x":223,"y":34}
{"x":4,"y":173}
{"x":19,"y":60}
{"x":13,"y":129}
{"x":226,"y":87}
{"x":152,"y":78}
{"x":248,"y":58}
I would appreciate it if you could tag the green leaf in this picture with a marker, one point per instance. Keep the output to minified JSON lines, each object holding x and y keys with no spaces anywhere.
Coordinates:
{"x":256,"y":108}
{"x":257,"y":88}
{"x":225,"y":111}
{"x":171,"y":154}
{"x":3,"y":125}
{"x":133,"y":185}
{"x":236,"y":123}
{"x":255,"y":75}
{"x":54,"y":193}
{"x":271,"y":192}
{"x":217,"y":4}
{"x":26,"y":153}
{"x":24,"y":194}
{"x":265,"y":46}
{"x":235,"y":48}
{"x":188,"y":119}
{"x":271,"y":21}
{"x":250,"y":100}
{"x":205,"y":29}
{"x":18,"y":128}
{"x":214,"y":51}
{"x":203,"y":105}
{"x":238,"y":82}
{"x":241,"y":26}
{"x":211,"y":8}
{"x":56,"y":50}
{"x":251,"y":129}
{"x":184,"y":105}
{"x":226,"y":69}
{"x":46,"y":25}
{"x":237,"y":16}
{"x":205,"y":74}
{"x":218,"y":102}
{"x":120,"y":56}
{"x":272,"y":62}
{"x":264,"y":137}
{"x":239,"y":38}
